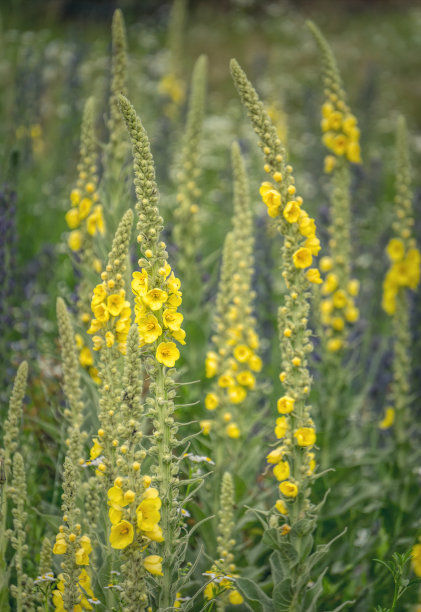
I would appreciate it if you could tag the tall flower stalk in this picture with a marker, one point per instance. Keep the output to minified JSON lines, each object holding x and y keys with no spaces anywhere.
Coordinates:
{"x":109,"y":328}
{"x":186,"y":223}
{"x":338,"y":310}
{"x":402,"y":277}
{"x":172,"y":85}
{"x":233,"y":361}
{"x":157,"y":297}
{"x":292,"y":457}
{"x":10,"y":444}
{"x":85,"y":217}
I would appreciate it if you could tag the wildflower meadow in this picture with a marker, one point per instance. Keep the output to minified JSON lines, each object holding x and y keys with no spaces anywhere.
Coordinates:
{"x":210,"y":347}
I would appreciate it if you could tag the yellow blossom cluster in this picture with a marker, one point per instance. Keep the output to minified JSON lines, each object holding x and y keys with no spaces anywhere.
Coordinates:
{"x":112,"y":314}
{"x":82,"y":544}
{"x":337,"y":307}
{"x":235,"y":361}
{"x":222,"y":584}
{"x":135,"y":522}
{"x":404,"y":271}
{"x":341,"y":136}
{"x":403,"y":274}
{"x":86,"y":358}
{"x":340,"y":131}
{"x":156,"y":314}
{"x":86,"y":594}
{"x":85,"y":217}
{"x":294,"y":460}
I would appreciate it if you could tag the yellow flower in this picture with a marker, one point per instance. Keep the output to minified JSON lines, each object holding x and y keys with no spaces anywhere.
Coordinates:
{"x":353,"y":152}
{"x":236,"y":394}
{"x":246,"y":379}
{"x":307,"y":225}
{"x":72,"y":218}
{"x":109,"y":339}
{"x":326,"y":264}
{"x":302,"y":258}
{"x":85,"y":357}
{"x":313,"y":243}
{"x":235,"y":598}
{"x":330,"y":284}
{"x":242,"y":353}
{"x":276,"y":455}
{"x":288,"y":488}
{"x":167,"y":353}
{"x":206,"y":426}
{"x":115,"y":304}
{"x":285,"y":404}
{"x":281,"y":427}
{"x":334,"y":345}
{"x":99,"y":295}
{"x":353,"y":287}
{"x":211,"y":401}
{"x":388,"y":420}
{"x":96,"y":449}
{"x":225,"y":380}
{"x":255,"y":363}
{"x":292,"y":211}
{"x":339,"y":299}
{"x":121,"y":535}
{"x":305,"y":436}
{"x":147,"y":514}
{"x":95,"y":222}
{"x":140,"y":282}
{"x":270,"y":196}
{"x":172,"y":319}
{"x":232,"y":431}
{"x":81,"y":556}
{"x":75,"y":240}
{"x":352,"y":314}
{"x":75,"y":197}
{"x":281,"y":507}
{"x":60,"y":545}
{"x":101,"y":313}
{"x":153,"y":564}
{"x":84,"y":207}
{"x":281,"y":470}
{"x":313,"y":276}
{"x":149,"y":328}
{"x":173,"y":283}
{"x":211,"y":364}
{"x":155,"y":298}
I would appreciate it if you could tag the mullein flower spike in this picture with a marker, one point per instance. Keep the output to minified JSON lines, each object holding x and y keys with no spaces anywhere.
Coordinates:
{"x":186,"y":227}
{"x":117,"y":148}
{"x":221,"y":576}
{"x":402,"y":276}
{"x":292,"y":458}
{"x":109,"y":329}
{"x":23,"y":590}
{"x":341,"y":136}
{"x":71,"y":383}
{"x":233,"y":361}
{"x":73,"y":547}
{"x":172,"y":84}
{"x":157,"y":296}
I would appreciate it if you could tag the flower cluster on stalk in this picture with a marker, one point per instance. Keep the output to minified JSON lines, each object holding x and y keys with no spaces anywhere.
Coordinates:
{"x":341,"y":136}
{"x":234,"y":361}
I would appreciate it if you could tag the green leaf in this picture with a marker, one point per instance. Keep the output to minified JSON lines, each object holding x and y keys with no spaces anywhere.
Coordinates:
{"x":271,"y":538}
{"x":256,"y":599}
{"x":289,"y":554}
{"x":283,"y":595}
{"x":313,"y":594}
{"x":276,"y":566}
